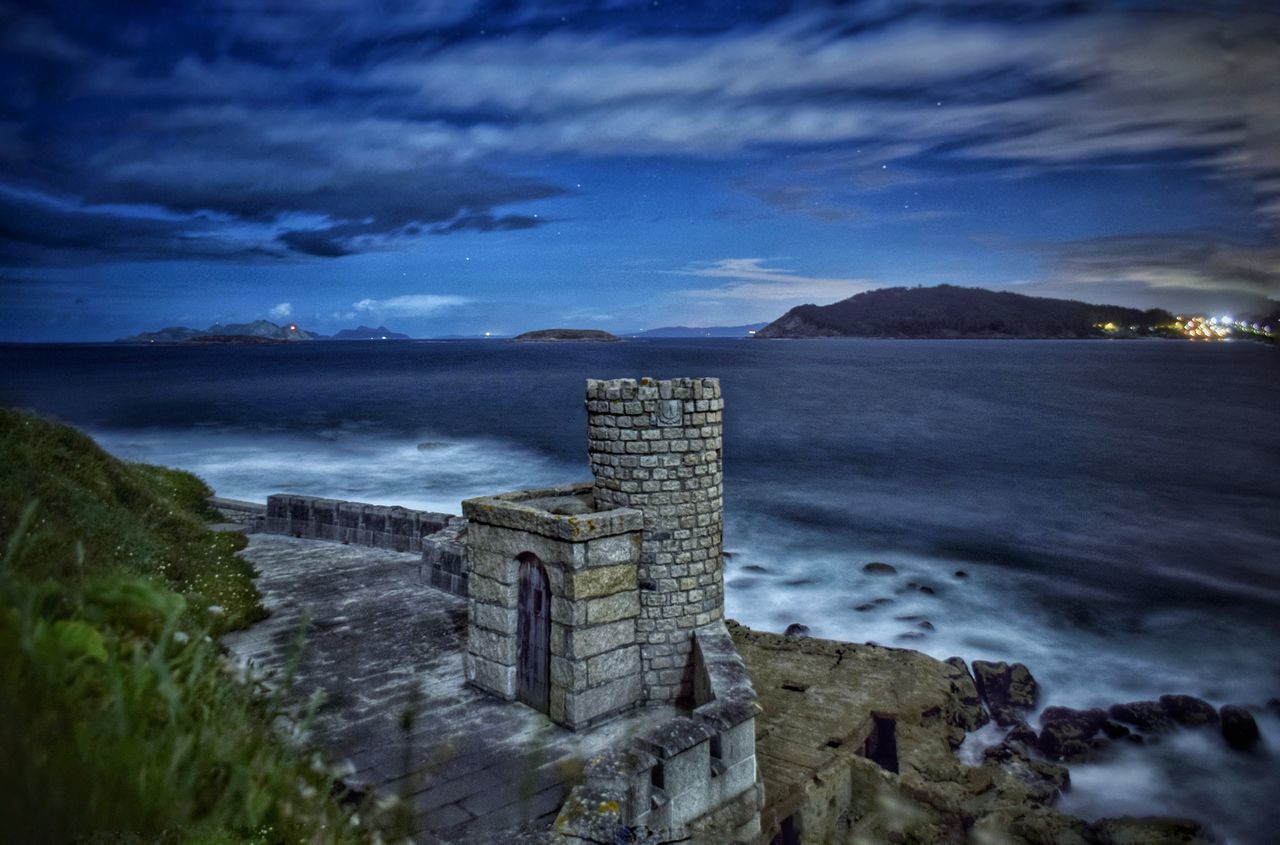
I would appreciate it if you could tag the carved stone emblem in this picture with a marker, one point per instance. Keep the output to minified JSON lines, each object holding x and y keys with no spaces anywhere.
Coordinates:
{"x":670,"y":412}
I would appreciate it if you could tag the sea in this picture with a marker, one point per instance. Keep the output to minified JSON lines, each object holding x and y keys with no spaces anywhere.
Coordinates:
{"x":1114,"y":505}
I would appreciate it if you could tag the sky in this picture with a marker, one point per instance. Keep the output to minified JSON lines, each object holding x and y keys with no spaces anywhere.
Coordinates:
{"x":446,"y":167}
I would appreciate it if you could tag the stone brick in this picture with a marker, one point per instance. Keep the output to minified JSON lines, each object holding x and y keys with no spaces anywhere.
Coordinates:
{"x":611,"y":665}
{"x":592,"y":704}
{"x":611,"y":608}
{"x":583,"y":642}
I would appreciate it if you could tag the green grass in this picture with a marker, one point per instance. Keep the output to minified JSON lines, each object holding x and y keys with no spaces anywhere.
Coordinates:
{"x":98,"y":514}
{"x":120,"y":719}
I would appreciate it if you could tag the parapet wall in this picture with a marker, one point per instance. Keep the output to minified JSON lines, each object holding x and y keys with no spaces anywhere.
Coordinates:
{"x":691,"y":773}
{"x":655,"y":446}
{"x":440,"y":537}
{"x":239,"y":512}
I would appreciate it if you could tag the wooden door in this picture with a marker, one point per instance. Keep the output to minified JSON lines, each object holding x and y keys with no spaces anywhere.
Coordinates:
{"x":533,"y":632}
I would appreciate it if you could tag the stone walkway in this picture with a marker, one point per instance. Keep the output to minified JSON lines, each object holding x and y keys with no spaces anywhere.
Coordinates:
{"x":386,"y":650}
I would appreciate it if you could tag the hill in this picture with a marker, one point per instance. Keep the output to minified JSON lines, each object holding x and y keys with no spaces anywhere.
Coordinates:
{"x":947,"y":311}
{"x":366,"y":333}
{"x":258,"y":328}
{"x":118,"y":713}
{"x":594,"y":335}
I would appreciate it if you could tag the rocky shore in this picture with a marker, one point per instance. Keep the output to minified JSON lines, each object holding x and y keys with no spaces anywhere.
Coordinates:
{"x":920,"y":791}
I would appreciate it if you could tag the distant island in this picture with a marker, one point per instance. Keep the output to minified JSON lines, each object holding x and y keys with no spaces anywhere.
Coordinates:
{"x":948,"y":311}
{"x":257,"y":332}
{"x":701,"y":331}
{"x":593,"y":335}
{"x":366,"y":333}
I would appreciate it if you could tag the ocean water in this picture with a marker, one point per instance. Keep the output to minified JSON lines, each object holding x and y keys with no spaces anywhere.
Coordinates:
{"x":1114,"y":505}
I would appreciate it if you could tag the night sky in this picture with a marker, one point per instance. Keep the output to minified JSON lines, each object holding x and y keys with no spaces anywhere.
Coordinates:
{"x":453,"y":167}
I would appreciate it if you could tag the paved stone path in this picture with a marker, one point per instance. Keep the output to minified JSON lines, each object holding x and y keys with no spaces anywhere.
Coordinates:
{"x":381,"y":644}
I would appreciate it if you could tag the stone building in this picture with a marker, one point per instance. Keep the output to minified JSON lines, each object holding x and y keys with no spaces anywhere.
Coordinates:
{"x":584,"y":599}
{"x":589,"y":600}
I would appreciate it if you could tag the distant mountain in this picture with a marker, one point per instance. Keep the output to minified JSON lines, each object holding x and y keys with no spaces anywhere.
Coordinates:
{"x":947,"y":311}
{"x":258,"y":328}
{"x":700,"y":331}
{"x":366,"y":333}
{"x":594,"y":335}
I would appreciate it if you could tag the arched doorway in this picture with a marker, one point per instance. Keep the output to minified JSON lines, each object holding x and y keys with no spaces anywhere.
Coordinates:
{"x":533,"y":634}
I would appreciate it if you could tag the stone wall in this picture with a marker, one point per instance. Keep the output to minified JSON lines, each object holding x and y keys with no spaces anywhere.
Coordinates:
{"x":239,"y":512}
{"x":589,"y":557}
{"x":656,"y":446}
{"x":381,"y":526}
{"x":691,"y":774}
{"x":444,"y":555}
{"x":440,"y":537}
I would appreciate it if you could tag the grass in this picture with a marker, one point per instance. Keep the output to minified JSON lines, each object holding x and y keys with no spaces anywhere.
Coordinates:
{"x":120,"y":719}
{"x":98,"y":514}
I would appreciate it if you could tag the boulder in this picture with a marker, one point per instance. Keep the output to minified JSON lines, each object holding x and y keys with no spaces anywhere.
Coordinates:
{"x":972,"y":716}
{"x":1145,"y":715}
{"x":795,"y":629}
{"x":1128,"y":830}
{"x":1006,"y":689}
{"x":1115,"y":730}
{"x":1239,"y":728}
{"x":1023,"y":734}
{"x":960,"y":573}
{"x":1067,"y":734}
{"x":878,"y":568}
{"x":1045,"y":781}
{"x":1188,"y":710}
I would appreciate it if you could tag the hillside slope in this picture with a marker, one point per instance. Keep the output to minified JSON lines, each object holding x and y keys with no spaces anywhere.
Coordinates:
{"x":947,"y":311}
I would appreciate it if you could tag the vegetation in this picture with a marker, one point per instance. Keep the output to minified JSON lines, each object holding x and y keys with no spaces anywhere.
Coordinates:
{"x":568,"y":334}
{"x":950,"y":311}
{"x":120,"y":720}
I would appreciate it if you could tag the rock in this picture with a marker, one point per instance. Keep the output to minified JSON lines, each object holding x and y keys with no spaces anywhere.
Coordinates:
{"x":1273,"y":704}
{"x":795,"y":629}
{"x":1239,"y":728}
{"x":910,"y":635}
{"x":1146,"y":715}
{"x":878,"y":568}
{"x":797,"y":582}
{"x":1129,"y":830}
{"x":1188,"y":710}
{"x":1092,"y":720}
{"x":873,"y":604}
{"x":960,"y":573}
{"x":1045,"y":781}
{"x":754,"y":567}
{"x":1068,"y":734}
{"x":925,"y":625}
{"x":1023,"y":734}
{"x":1115,"y":730}
{"x":1006,"y":689}
{"x":971,"y":716}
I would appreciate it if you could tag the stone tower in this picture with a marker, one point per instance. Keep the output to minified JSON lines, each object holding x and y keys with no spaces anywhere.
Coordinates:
{"x":655,"y":446}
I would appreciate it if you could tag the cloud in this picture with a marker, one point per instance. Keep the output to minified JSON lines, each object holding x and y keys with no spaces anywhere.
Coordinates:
{"x":319,"y":130}
{"x":748,"y":279}
{"x":284,"y":309}
{"x":1187,"y":271}
{"x":410,"y":305}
